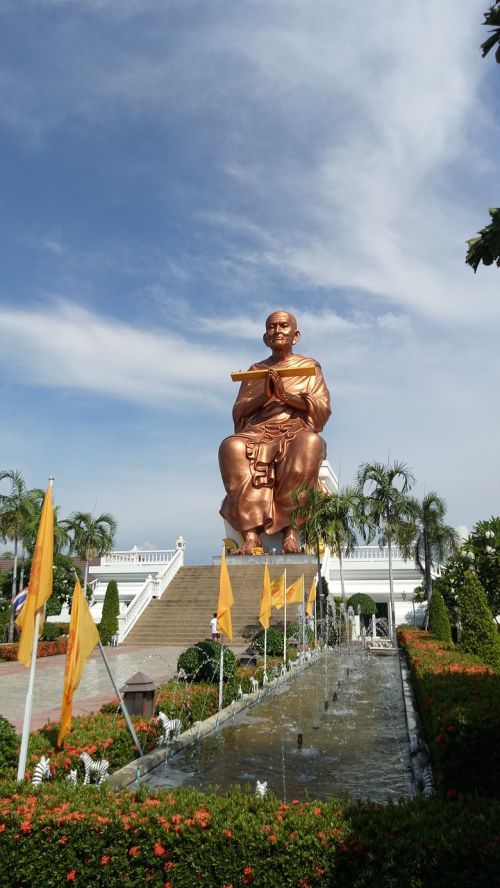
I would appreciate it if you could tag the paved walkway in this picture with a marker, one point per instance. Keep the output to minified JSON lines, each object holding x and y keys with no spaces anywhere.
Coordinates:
{"x":158,"y":663}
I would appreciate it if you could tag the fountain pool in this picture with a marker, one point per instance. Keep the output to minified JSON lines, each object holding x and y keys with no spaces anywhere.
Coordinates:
{"x":351,"y":715}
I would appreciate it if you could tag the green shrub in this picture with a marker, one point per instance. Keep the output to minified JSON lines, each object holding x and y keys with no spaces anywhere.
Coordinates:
{"x":184,"y":838}
{"x":366,"y":602}
{"x":459,"y":702}
{"x":189,"y":661}
{"x":110,"y":610}
{"x":50,"y":632}
{"x":274,"y":642}
{"x":479,"y":634}
{"x":439,"y":621}
{"x":210,"y":661}
{"x":294,"y":630}
{"x":9,"y":746}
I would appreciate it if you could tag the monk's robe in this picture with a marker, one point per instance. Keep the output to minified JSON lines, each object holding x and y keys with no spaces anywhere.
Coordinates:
{"x":273,"y":450}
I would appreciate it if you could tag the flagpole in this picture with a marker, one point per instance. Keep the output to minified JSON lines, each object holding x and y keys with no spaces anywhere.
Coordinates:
{"x":121,"y":702}
{"x":316,"y":619}
{"x":284,"y":625}
{"x":265,"y":651}
{"x":28,"y":705}
{"x":221,"y":673}
{"x":303,"y":613}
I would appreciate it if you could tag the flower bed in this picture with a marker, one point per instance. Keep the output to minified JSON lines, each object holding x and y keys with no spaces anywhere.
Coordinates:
{"x":45,"y":649}
{"x":56,"y":836}
{"x":459,"y":702}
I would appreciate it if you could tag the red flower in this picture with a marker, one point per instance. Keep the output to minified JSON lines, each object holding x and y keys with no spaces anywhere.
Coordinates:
{"x":71,"y":876}
{"x":158,"y":850}
{"x":104,"y":859}
{"x":227,"y":833}
{"x":134,"y":851}
{"x":316,"y":811}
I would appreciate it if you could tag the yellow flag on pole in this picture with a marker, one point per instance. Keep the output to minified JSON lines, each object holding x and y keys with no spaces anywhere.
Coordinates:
{"x":295,"y":592}
{"x":83,"y":637}
{"x":311,"y":598}
{"x":226,"y":601}
{"x":278,"y":592}
{"x":265,"y":599}
{"x":40,"y":585}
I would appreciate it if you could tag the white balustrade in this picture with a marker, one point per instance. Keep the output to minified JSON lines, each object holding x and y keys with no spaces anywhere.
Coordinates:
{"x":155,"y":556}
{"x":154,"y":587}
{"x":373,"y":553}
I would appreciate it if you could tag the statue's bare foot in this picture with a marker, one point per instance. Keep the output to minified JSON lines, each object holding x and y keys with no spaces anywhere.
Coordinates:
{"x":290,"y":542}
{"x":251,"y":541}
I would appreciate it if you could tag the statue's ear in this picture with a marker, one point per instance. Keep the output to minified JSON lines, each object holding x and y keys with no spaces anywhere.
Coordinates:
{"x":296,"y":337}
{"x":266,"y":341}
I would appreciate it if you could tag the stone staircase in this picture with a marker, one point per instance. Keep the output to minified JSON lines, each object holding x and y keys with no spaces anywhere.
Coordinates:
{"x":182,"y":616}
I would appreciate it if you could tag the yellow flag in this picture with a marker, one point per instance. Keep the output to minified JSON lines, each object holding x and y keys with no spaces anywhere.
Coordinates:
{"x":40,"y":586}
{"x":311,"y":598}
{"x":278,"y":592}
{"x":295,"y":592}
{"x":83,"y":637}
{"x":225,"y":602}
{"x":265,"y":599}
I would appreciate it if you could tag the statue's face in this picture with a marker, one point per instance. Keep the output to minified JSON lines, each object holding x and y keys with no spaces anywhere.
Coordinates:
{"x":281,"y":330}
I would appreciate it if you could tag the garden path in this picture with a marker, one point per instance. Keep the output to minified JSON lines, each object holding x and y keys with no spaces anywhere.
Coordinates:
{"x":158,"y":663}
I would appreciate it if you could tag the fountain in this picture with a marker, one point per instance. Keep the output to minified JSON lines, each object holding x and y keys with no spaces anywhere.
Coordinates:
{"x":303,"y":748}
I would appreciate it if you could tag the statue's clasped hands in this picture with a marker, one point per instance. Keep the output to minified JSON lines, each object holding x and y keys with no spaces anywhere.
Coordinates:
{"x":274,"y":386}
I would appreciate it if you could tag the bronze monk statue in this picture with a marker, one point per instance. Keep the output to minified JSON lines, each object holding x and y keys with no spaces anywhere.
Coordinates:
{"x":282,"y":405}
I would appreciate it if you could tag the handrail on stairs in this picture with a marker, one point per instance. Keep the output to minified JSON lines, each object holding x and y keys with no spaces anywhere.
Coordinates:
{"x":153,"y":587}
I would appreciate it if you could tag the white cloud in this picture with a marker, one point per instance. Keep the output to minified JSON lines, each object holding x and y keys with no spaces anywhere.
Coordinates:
{"x":69,"y":347}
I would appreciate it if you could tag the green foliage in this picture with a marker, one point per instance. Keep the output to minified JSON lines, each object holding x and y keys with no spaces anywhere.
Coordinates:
{"x":50,"y":632}
{"x":367,"y":604}
{"x":439,"y":621}
{"x":183,"y":838}
{"x":479,"y":633}
{"x":492,"y":20}
{"x":9,"y":746}
{"x":202,"y":661}
{"x":274,"y":642}
{"x":210,"y":661}
{"x":110,"y":610}
{"x":481,"y":551}
{"x":485,"y":247}
{"x":459,"y":702}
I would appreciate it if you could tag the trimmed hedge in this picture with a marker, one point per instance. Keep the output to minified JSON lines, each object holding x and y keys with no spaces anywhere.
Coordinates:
{"x":45,"y":649}
{"x":479,"y":634}
{"x":56,"y":836}
{"x":110,"y":610}
{"x":439,"y":621}
{"x":459,"y":702}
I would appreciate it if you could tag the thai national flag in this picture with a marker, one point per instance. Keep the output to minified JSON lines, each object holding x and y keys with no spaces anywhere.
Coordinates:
{"x":19,"y":600}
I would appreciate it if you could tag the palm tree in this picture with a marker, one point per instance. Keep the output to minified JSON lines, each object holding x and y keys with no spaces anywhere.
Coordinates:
{"x":388,"y":511}
{"x":340,"y":517}
{"x":435,"y":540}
{"x":90,"y":537}
{"x":308,"y":517}
{"x":16,"y":510}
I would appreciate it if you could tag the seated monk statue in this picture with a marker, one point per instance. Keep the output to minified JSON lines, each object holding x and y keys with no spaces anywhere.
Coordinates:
{"x":276,"y":444}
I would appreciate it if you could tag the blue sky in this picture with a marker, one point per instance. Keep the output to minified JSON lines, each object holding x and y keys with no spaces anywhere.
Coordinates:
{"x":172,"y":172}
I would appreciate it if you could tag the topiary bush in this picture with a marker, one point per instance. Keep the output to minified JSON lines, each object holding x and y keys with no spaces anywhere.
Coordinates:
{"x":110,"y":610}
{"x":189,"y":661}
{"x":274,"y":642}
{"x":366,"y":602}
{"x":479,"y":634}
{"x":9,"y":746}
{"x":210,"y":661}
{"x":201,"y":661}
{"x":439,"y":621}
